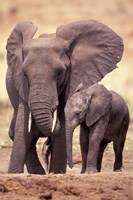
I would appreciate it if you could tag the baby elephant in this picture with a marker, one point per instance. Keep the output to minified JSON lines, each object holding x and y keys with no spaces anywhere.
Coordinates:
{"x":104,"y":117}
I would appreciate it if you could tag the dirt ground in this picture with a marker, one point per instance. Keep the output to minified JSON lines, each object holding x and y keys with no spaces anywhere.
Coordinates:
{"x":106,"y":185}
{"x":102,"y":186}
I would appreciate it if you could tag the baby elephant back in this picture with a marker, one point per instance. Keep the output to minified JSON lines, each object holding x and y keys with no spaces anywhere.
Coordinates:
{"x":119,"y":109}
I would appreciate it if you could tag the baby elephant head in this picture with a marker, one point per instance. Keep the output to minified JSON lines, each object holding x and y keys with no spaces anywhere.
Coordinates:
{"x":87,"y":105}
{"x":76,"y":108}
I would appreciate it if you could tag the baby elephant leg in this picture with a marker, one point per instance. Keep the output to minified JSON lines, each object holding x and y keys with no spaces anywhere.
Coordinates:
{"x":84,"y":144}
{"x":118,"y":146}
{"x":96,"y":135}
{"x":118,"y":149}
{"x":102,"y":147}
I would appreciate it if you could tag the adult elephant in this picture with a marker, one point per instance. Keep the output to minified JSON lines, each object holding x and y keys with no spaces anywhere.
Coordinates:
{"x":43,"y":73}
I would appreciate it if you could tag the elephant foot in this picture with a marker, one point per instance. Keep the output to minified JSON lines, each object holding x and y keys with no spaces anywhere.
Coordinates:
{"x":82,"y":171}
{"x":91,"y":171}
{"x":35,"y":169}
{"x":15,"y":171}
{"x":33,"y":164}
{"x":118,"y":170}
{"x":39,"y":171}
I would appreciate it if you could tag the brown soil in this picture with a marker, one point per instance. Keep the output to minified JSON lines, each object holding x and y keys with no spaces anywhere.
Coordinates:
{"x":106,"y":185}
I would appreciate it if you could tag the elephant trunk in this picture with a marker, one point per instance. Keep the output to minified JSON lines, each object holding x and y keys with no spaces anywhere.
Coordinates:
{"x":43,"y":116}
{"x":69,"y":137}
{"x":42,"y":105}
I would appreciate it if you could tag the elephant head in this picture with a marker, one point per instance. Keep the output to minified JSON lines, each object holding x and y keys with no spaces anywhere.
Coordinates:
{"x":43,"y":68}
{"x":88,"y":105}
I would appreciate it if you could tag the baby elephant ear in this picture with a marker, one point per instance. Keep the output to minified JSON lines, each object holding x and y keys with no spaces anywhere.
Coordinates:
{"x":100,"y":104}
{"x":94,"y":51}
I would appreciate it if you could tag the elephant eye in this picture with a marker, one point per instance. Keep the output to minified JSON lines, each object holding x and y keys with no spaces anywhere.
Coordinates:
{"x":25,"y":74}
{"x":77,"y":113}
{"x":59,"y":73}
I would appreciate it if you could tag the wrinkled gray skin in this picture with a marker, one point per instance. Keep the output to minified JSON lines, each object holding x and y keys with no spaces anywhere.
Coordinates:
{"x":42,"y":73}
{"x":104,"y":117}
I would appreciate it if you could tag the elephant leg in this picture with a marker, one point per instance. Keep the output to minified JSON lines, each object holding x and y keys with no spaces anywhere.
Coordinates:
{"x":84,"y":144}
{"x":58,"y":155}
{"x":118,"y":145}
{"x":96,"y":135}
{"x":118,"y":149}
{"x":102,"y":147}
{"x":32,"y":161}
{"x":58,"y":161}
{"x":19,"y":149}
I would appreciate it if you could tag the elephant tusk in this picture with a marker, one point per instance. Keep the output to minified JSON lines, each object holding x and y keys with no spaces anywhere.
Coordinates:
{"x":54,"y":120}
{"x":29,"y":124}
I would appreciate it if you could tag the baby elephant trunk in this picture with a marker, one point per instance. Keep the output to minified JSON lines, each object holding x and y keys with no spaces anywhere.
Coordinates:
{"x":69,"y":137}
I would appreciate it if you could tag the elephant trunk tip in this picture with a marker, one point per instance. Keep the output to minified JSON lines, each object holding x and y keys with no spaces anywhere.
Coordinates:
{"x":69,"y":136}
{"x":70,"y":164}
{"x":70,"y":161}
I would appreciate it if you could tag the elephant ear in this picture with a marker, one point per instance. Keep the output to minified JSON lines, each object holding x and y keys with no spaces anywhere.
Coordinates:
{"x":100,"y":103}
{"x":21,"y":34}
{"x":45,"y":35}
{"x":94,"y":51}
